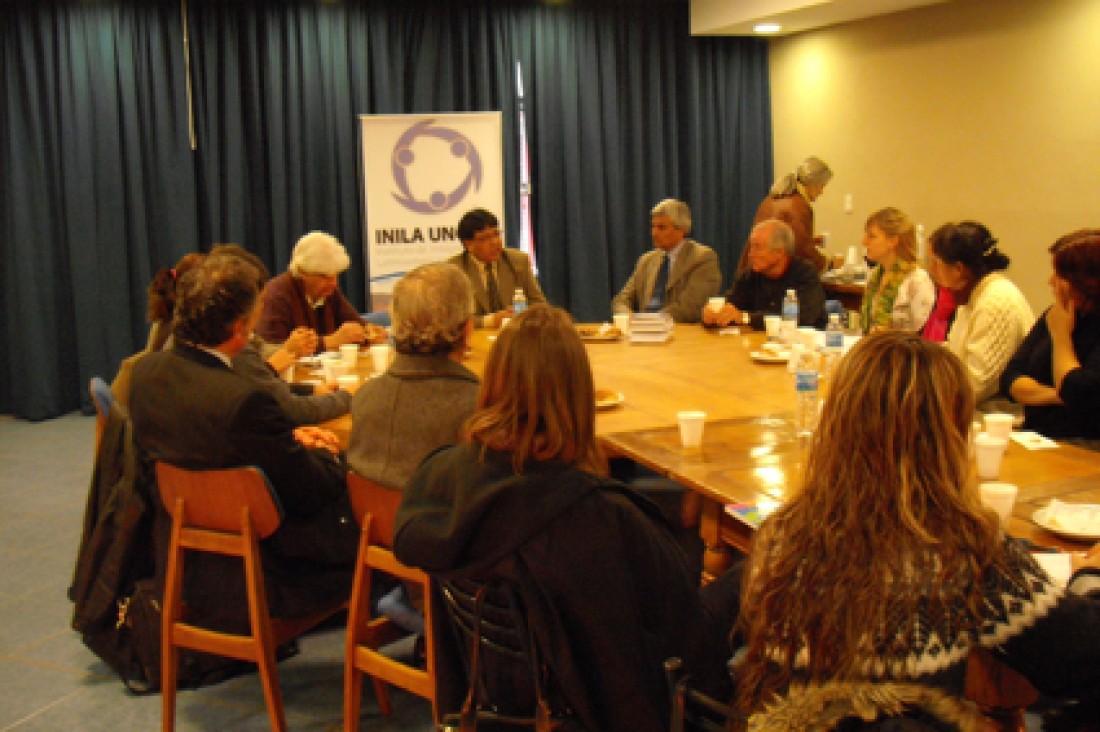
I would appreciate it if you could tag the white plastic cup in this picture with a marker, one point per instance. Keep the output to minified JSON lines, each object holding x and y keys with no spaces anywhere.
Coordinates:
{"x":772,"y":326}
{"x":350,"y":353}
{"x":998,"y":425}
{"x":1000,"y":497}
{"x":334,"y":369}
{"x":691,"y":427}
{"x":380,"y":357}
{"x":988,"y":452}
{"x":504,"y":323}
{"x":714,"y":304}
{"x":622,"y":322}
{"x":807,"y":337}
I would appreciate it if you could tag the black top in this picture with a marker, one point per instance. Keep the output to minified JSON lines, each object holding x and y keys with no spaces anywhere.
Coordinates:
{"x":1079,"y":415}
{"x":759,"y":295}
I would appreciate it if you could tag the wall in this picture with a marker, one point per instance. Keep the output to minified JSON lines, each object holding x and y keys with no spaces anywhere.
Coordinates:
{"x":978,"y":109}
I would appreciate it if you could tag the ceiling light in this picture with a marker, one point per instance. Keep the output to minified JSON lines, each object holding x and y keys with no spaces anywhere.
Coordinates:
{"x":767,"y":28}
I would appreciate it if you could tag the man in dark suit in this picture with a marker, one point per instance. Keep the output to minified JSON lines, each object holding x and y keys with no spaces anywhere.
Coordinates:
{"x":678,"y":275}
{"x":495,"y":273}
{"x":189,"y":408}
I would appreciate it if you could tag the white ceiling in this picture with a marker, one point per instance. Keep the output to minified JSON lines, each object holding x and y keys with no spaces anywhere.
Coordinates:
{"x":737,"y":17}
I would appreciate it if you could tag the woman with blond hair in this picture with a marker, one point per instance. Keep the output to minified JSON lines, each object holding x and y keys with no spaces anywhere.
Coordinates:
{"x":899,"y":293}
{"x":888,"y":483}
{"x":606,"y":590}
{"x":789,"y":201}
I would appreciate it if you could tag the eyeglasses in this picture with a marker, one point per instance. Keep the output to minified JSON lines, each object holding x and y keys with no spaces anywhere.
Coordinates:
{"x":488,"y":235}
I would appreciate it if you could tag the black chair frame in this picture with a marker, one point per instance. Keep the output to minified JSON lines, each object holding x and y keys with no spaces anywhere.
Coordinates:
{"x":490,"y":615}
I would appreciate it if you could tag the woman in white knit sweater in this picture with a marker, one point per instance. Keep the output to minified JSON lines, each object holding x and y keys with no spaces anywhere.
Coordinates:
{"x":992,"y":317}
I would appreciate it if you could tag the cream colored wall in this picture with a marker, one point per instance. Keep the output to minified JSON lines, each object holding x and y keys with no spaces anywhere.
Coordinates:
{"x":975,"y":109}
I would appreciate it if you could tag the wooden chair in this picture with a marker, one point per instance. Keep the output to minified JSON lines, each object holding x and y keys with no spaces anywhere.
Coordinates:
{"x":223,"y":512}
{"x":376,"y":508}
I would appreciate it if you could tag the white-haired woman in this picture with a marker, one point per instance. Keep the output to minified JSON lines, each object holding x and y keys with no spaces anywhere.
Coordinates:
{"x":789,"y":201}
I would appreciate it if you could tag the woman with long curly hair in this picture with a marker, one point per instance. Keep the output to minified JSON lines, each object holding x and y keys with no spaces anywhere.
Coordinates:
{"x":871,"y":586}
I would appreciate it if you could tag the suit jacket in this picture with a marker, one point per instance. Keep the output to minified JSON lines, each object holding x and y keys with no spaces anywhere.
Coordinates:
{"x":695,"y":276}
{"x":513,"y":272}
{"x":189,"y":409}
{"x":285,"y":308}
{"x":413,"y":409}
{"x":300,"y":408}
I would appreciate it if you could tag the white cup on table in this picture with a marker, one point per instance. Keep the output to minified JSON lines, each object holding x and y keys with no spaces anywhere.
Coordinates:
{"x":622,"y":322}
{"x":691,"y":427}
{"x":999,"y":425}
{"x":988,"y":452}
{"x":334,"y":368}
{"x":350,"y":353}
{"x":380,"y":357}
{"x":772,"y":326}
{"x":1000,"y":497}
{"x":807,"y":337}
{"x":714,"y":304}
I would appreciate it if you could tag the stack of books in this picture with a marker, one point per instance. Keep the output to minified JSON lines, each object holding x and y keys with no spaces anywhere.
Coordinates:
{"x":650,"y":327}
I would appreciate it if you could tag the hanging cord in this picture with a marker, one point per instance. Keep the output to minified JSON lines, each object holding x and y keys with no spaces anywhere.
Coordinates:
{"x":187,"y":77}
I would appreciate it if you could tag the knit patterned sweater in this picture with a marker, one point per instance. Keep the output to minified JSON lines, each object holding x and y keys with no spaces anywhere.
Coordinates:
{"x":988,"y":330}
{"x":1047,"y":634}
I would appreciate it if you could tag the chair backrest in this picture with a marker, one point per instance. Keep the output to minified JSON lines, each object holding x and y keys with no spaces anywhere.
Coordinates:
{"x":490,"y":619}
{"x":102,"y":398}
{"x":380,"y":502}
{"x":694,"y":710}
{"x":215,"y":498}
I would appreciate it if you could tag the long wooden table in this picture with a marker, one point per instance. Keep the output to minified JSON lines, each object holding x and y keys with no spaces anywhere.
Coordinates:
{"x":750,"y":450}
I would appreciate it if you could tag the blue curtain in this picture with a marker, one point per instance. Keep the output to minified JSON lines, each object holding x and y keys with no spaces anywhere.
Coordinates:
{"x":100,"y":186}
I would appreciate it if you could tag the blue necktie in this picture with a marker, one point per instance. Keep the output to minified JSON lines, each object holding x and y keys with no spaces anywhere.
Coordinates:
{"x":657,"y":298}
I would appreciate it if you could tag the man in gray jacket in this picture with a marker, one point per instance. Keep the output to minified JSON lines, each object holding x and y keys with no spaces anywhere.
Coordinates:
{"x":678,"y":275}
{"x":419,"y":404}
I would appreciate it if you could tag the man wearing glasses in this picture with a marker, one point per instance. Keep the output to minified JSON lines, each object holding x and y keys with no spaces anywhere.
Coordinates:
{"x":307,"y":295}
{"x":495,"y":273}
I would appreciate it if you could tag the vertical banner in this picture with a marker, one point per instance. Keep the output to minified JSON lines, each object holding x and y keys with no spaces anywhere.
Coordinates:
{"x":421,"y":173}
{"x":526,"y":231}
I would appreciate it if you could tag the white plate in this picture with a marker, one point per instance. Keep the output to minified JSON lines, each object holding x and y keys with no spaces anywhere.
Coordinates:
{"x":767,"y":357}
{"x":606,"y":399}
{"x":1040,"y":517}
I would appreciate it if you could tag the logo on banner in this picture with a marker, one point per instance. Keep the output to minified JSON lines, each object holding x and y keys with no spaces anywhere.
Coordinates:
{"x":404,"y":159}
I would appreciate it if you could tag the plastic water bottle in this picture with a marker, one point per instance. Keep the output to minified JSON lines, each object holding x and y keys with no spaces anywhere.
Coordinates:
{"x":519,"y":301}
{"x":834,"y":344}
{"x":790,"y":317}
{"x":806,"y":401}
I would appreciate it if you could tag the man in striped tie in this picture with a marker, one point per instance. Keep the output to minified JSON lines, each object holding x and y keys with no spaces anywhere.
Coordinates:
{"x":495,"y":272}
